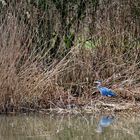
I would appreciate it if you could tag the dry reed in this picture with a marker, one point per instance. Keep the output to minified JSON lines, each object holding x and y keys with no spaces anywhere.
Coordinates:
{"x":26,"y":83}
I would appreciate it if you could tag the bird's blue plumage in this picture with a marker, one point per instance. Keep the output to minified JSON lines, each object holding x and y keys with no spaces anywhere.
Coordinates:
{"x":105,"y":91}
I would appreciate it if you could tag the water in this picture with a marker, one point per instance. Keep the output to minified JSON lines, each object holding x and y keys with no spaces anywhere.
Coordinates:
{"x":69,"y":127}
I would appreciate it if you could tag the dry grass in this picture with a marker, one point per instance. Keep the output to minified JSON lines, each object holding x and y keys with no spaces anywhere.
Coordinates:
{"x":27,"y":84}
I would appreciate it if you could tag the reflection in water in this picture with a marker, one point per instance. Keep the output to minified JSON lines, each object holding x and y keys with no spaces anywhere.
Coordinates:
{"x":68,"y":127}
{"x":105,"y":121}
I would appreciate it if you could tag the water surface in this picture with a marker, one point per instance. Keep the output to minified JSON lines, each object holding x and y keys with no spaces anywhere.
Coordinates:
{"x":69,"y":127}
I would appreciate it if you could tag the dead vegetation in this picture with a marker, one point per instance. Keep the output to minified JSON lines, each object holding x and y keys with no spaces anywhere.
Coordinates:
{"x":30,"y":82}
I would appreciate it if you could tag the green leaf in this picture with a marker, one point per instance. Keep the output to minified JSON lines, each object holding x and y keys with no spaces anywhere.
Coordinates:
{"x":89,"y":44}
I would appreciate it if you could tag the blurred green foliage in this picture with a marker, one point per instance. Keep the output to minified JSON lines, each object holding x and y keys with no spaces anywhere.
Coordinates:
{"x":70,"y":18}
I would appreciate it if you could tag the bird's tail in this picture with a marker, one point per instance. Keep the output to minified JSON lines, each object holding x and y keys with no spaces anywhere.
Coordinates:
{"x":113,"y":94}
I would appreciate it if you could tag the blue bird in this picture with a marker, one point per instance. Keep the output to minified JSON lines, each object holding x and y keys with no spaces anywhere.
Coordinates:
{"x":105,"y":121}
{"x":104,"y":91}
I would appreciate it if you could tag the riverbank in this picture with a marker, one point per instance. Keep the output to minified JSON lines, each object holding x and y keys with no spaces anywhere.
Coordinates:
{"x":98,"y":106}
{"x":66,"y":83}
{"x":51,"y":55}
